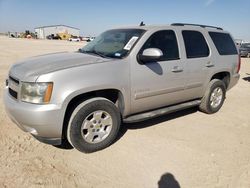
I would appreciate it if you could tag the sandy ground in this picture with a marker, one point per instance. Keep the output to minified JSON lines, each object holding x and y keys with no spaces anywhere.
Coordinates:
{"x":187,"y":149}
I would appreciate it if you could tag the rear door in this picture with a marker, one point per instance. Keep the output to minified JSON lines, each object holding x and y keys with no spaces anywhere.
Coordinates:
{"x":198,"y":62}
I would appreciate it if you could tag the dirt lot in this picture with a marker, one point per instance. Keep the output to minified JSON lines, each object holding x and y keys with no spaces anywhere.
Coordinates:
{"x":187,"y":149}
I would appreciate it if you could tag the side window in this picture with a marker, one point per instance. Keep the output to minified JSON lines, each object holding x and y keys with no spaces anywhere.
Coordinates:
{"x":195,"y":44}
{"x":166,"y":42}
{"x":224,"y":43}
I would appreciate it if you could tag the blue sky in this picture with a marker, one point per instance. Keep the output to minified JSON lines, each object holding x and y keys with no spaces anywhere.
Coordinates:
{"x":93,"y":17}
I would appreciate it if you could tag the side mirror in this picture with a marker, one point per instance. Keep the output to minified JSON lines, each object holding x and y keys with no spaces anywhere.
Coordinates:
{"x":150,"y":55}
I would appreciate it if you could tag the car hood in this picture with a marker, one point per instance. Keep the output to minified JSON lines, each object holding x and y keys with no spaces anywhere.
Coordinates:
{"x":38,"y":65}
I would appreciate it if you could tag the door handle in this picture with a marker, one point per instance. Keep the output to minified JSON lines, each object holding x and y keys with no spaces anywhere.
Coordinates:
{"x":209,"y":64}
{"x":177,"y":69}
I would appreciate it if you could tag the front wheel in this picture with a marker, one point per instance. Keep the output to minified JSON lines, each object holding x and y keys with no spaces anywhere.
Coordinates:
{"x":214,"y":97}
{"x":94,"y":125}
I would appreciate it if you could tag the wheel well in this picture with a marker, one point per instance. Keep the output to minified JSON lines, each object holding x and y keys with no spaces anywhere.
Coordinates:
{"x":113,"y":95}
{"x":224,"y":76}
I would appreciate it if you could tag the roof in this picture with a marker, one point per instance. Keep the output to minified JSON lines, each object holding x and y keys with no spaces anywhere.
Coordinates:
{"x":57,"y":26}
{"x":184,"y":25}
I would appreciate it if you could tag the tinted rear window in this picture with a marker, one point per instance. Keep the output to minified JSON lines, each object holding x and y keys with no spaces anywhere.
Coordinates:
{"x":195,"y":43}
{"x":224,"y":43}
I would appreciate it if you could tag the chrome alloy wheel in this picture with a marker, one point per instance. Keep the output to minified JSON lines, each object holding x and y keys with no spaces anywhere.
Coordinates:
{"x":96,"y":126}
{"x":216,"y":97}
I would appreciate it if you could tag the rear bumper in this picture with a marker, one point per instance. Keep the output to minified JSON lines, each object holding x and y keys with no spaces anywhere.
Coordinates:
{"x":234,"y":80}
{"x":44,"y":122}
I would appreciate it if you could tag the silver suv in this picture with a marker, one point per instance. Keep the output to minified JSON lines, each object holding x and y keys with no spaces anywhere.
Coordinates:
{"x":124,"y":75}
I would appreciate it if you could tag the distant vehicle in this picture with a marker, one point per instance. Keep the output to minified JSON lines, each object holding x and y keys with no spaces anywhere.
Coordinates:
{"x":85,"y":38}
{"x":245,"y":50}
{"x":75,"y":39}
{"x":49,"y":37}
{"x":53,"y":37}
{"x":90,"y":39}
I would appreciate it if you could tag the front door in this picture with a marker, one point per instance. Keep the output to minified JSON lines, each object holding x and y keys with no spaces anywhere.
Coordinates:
{"x":161,"y":83}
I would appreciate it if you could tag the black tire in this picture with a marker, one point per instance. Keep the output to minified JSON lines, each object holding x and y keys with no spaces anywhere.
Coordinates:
{"x":81,"y":112}
{"x":205,"y":105}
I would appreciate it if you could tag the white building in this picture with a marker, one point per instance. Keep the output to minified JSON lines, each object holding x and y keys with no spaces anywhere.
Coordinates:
{"x":43,"y":32}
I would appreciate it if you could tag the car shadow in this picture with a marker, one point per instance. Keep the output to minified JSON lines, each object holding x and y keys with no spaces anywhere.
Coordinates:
{"x":155,"y":67}
{"x":154,"y":121}
{"x":246,"y":78}
{"x":160,"y":119}
{"x":168,"y":180}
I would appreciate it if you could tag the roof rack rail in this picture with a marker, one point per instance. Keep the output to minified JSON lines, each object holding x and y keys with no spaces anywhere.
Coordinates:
{"x":203,"y":26}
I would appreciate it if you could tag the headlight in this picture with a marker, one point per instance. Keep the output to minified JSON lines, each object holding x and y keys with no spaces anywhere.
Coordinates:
{"x":38,"y":93}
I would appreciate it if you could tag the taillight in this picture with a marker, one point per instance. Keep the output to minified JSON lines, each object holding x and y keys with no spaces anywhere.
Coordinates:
{"x":239,"y":64}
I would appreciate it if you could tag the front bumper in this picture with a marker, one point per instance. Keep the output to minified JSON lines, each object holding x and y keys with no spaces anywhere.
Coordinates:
{"x":44,"y":122}
{"x":51,"y":141}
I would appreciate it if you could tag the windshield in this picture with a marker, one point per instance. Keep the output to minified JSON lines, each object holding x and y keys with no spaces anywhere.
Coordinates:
{"x":113,"y":43}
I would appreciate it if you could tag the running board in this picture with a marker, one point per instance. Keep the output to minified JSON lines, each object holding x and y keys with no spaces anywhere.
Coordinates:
{"x":159,"y":112}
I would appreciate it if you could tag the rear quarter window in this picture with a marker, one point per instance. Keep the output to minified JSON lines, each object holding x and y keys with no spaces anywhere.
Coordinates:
{"x":224,"y":43}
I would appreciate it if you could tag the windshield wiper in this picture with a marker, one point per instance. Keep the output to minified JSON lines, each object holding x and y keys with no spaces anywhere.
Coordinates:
{"x":95,"y":53}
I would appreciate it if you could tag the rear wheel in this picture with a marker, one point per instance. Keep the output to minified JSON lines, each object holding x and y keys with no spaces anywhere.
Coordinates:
{"x":93,"y":125}
{"x":214,"y":97}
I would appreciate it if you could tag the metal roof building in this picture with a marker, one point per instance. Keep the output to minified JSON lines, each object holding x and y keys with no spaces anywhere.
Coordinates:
{"x":44,"y":31}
